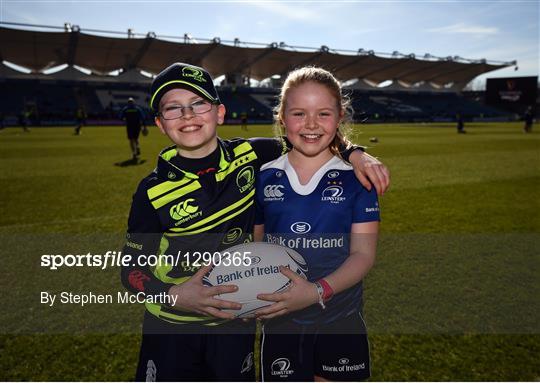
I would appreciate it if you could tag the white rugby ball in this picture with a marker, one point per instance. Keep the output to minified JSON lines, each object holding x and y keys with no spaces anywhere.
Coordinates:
{"x":257,"y":273}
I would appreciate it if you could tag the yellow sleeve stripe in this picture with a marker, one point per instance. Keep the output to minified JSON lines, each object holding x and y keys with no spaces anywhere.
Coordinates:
{"x":169,"y":154}
{"x":242,"y":148}
{"x":206,"y":228}
{"x":161,"y":274}
{"x":162,"y":201}
{"x":248,"y":199}
{"x":235,"y":165}
{"x":156,"y":310}
{"x":180,"y":320}
{"x":166,"y":187}
{"x":176,"y":281}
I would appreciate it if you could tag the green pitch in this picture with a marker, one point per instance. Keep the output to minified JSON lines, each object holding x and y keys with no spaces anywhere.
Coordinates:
{"x":453,"y":295}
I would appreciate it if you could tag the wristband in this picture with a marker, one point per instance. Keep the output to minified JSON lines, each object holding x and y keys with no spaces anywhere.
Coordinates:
{"x":328,"y":292}
{"x":320,"y":293}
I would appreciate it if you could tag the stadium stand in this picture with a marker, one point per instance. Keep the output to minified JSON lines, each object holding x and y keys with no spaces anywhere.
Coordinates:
{"x":427,"y":89}
{"x":417,"y":106}
{"x":54,"y":102}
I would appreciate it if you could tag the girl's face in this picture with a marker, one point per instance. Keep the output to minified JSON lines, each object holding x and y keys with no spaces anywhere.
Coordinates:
{"x":195,"y":135}
{"x":311,"y":117}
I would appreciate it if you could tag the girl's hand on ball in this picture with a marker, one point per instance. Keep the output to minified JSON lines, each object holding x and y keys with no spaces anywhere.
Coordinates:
{"x":300,"y":294}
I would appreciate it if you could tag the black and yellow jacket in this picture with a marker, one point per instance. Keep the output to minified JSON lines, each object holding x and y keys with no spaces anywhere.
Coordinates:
{"x":176,"y":212}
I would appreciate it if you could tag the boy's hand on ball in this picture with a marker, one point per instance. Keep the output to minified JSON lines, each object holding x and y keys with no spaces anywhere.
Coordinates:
{"x":194,"y":296}
{"x":300,"y":294}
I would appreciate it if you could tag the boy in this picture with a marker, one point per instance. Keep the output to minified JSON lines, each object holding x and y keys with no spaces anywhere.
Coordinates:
{"x":199,"y":198}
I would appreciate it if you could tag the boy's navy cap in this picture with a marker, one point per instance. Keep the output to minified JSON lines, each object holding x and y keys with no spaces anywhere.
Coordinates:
{"x":186,"y":76}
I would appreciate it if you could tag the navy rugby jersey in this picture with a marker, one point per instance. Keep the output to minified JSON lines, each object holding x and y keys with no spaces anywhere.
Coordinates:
{"x":315,"y":219}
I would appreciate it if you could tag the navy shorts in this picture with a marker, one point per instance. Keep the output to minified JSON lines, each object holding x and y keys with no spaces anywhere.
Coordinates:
{"x":133,"y":131}
{"x":200,"y":354}
{"x":335,"y":351}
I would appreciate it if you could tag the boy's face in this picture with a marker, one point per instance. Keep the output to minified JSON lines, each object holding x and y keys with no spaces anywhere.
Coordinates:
{"x":195,"y":135}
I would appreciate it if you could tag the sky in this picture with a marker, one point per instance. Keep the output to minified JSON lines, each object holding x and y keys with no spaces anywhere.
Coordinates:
{"x":494,"y":30}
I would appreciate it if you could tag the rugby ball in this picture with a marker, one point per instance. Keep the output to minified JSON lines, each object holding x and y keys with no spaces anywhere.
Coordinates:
{"x":257,"y":273}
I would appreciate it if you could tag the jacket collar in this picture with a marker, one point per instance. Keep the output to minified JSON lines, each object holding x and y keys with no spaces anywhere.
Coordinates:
{"x":168,"y":171}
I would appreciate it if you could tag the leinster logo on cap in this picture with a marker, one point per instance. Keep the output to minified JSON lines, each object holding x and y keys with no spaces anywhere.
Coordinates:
{"x":195,"y":73}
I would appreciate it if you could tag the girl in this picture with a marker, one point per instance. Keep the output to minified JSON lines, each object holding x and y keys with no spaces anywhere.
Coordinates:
{"x":310,"y":198}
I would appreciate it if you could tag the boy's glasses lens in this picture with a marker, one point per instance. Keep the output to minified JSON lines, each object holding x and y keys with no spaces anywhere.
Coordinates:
{"x":174,"y":112}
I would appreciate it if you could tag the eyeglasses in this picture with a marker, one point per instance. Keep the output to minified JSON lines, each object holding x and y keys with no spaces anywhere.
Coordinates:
{"x":173,"y":112}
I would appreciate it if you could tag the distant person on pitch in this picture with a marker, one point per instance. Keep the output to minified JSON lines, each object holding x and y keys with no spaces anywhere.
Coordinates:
{"x":460,"y":124}
{"x":201,"y":190}
{"x":23,"y":118}
{"x":80,"y":118}
{"x":134,"y":118}
{"x":333,"y":222}
{"x":244,"y":121}
{"x":528,"y":117}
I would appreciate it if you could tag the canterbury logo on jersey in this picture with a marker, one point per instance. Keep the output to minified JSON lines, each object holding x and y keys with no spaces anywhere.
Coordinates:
{"x":217,"y":218}
{"x":273,"y":193}
{"x":238,"y":172}
{"x":185,"y":211}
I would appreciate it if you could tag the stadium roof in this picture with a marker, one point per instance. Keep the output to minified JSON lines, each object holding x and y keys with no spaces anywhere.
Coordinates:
{"x":40,"y":50}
